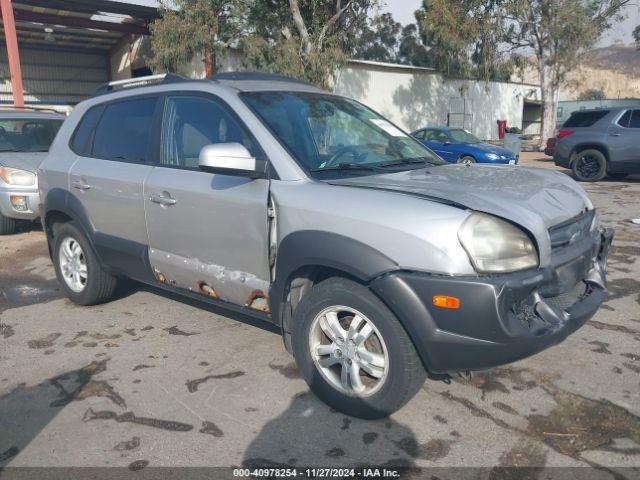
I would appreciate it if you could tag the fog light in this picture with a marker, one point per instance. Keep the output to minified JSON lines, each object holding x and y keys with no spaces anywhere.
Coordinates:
{"x":444,"y":301}
{"x":19,"y":203}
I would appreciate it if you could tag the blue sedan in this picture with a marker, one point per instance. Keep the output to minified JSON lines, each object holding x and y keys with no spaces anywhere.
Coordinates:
{"x":456,"y":145}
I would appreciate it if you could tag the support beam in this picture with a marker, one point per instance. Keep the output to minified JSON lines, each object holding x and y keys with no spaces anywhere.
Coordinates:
{"x":12,"y":53}
{"x":69,"y":21}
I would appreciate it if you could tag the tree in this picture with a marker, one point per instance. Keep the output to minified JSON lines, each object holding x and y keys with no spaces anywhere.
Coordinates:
{"x":636,"y":35}
{"x":592,"y":94}
{"x":555,"y":32}
{"x":188,"y":28}
{"x":378,"y":39}
{"x":307,"y":39}
{"x":411,"y":50}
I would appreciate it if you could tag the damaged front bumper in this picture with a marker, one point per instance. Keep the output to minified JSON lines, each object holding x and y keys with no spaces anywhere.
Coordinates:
{"x":502,"y":318}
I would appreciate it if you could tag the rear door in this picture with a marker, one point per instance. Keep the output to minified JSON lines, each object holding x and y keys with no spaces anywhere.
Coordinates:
{"x":625,"y":141}
{"x":109,"y":174}
{"x":207,"y":232}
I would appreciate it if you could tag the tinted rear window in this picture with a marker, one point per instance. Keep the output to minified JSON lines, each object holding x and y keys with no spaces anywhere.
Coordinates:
{"x":585,"y":119}
{"x":124,"y":130}
{"x":80,"y":143}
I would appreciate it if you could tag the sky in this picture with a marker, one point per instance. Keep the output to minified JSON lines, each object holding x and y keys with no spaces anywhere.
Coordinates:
{"x":402,"y":11}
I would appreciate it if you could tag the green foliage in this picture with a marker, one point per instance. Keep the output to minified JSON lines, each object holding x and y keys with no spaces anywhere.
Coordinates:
{"x":189,"y":28}
{"x":382,"y":39}
{"x":307,"y":39}
{"x":592,"y":94}
{"x":476,"y":38}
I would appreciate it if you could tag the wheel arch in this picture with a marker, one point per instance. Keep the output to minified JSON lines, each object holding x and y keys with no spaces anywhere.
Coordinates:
{"x":588,"y":146}
{"x":308,"y":257}
{"x":61,"y":206}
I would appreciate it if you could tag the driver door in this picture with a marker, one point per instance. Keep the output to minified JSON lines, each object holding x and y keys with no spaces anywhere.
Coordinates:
{"x":437,"y":140}
{"x":208,"y":232}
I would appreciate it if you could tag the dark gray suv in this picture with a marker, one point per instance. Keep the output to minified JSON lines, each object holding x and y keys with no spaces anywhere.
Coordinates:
{"x":597,"y":143}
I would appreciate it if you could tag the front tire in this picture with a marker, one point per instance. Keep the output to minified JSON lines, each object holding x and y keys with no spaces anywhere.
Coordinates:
{"x":353,"y":352}
{"x":589,"y":166}
{"x":466,"y":159}
{"x":7,"y":225}
{"x":77,"y":267}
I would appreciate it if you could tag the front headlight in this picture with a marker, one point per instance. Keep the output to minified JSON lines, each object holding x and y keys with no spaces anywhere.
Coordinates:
{"x":494,"y":245}
{"x":492,"y":156}
{"x":15,"y":176}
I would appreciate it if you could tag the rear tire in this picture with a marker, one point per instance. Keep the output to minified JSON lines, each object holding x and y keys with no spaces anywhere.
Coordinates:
{"x":77,"y":267}
{"x":589,"y":166}
{"x":388,"y":370}
{"x":7,"y":225}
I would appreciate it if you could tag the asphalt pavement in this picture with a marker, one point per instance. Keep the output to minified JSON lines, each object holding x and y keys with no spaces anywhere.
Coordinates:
{"x":147,"y":381}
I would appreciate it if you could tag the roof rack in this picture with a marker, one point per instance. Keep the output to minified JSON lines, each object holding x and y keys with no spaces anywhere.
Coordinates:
{"x":29,"y":107}
{"x":139,"y":82}
{"x":256,"y":76}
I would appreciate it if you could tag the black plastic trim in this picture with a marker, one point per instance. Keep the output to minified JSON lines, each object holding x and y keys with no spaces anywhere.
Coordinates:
{"x":312,"y":248}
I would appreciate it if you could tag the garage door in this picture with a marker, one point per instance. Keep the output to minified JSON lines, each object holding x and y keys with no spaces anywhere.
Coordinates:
{"x":55,"y":77}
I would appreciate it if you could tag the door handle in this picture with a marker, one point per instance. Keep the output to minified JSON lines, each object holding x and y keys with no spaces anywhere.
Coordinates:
{"x":615,"y":134}
{"x":80,"y":185}
{"x":162,"y":200}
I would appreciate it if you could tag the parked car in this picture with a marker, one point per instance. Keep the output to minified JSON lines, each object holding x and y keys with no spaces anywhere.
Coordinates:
{"x":597,"y":143}
{"x":456,"y":145}
{"x":25,"y":137}
{"x":379,"y":261}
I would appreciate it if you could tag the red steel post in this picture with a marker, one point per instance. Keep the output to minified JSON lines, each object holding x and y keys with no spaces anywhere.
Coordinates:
{"x":12,"y":52}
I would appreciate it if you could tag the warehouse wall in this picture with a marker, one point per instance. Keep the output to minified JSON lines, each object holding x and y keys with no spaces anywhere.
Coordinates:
{"x":52,"y":76}
{"x":414,"y":98}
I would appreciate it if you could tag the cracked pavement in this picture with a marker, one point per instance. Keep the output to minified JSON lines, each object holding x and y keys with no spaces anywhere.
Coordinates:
{"x":147,"y":380}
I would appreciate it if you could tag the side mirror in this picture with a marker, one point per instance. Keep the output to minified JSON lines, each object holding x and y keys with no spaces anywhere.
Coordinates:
{"x":227,"y":159}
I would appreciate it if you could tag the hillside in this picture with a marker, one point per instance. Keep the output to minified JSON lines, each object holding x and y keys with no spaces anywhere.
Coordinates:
{"x":614,"y":69}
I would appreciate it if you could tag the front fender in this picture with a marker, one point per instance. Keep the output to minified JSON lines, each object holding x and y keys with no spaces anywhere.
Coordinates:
{"x":323,"y":249}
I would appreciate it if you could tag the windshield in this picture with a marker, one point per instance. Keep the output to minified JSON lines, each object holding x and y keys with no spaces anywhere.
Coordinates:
{"x":329,"y":133}
{"x":462,"y":136}
{"x":27,"y":134}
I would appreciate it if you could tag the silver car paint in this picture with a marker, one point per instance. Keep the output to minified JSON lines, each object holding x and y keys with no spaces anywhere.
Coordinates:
{"x":114,"y":197}
{"x":217,"y":231}
{"x":534,"y":198}
{"x":214,"y":238}
{"x":29,"y":161}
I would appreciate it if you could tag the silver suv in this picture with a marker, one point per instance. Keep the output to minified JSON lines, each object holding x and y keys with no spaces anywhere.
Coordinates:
{"x":265,"y":195}
{"x":25,"y":137}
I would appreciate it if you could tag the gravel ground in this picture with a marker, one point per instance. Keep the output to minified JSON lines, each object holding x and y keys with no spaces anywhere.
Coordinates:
{"x":153,"y":381}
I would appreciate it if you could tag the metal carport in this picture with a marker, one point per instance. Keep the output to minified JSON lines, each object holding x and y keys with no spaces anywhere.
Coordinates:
{"x":58,"y":51}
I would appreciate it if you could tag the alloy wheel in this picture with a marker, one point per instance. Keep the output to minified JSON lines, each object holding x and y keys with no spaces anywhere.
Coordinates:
{"x":349,"y":351}
{"x":588,"y":166}
{"x":73,"y":264}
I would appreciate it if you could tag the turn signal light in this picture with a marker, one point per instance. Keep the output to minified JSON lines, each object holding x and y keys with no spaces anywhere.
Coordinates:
{"x":444,"y":301}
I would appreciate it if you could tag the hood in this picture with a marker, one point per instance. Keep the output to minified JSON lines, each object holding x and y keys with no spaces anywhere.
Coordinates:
{"x":535,"y":198}
{"x":24,"y":160}
{"x":488,"y":148}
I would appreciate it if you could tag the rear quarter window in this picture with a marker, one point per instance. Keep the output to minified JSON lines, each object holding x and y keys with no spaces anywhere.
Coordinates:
{"x":585,"y":119}
{"x":124,"y":130}
{"x":82,"y":136}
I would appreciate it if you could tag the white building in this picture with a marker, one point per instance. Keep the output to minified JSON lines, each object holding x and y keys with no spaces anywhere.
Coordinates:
{"x":414,"y":97}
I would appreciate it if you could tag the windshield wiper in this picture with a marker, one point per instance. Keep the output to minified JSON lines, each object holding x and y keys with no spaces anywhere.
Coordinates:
{"x":407,"y":161}
{"x":346,"y":166}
